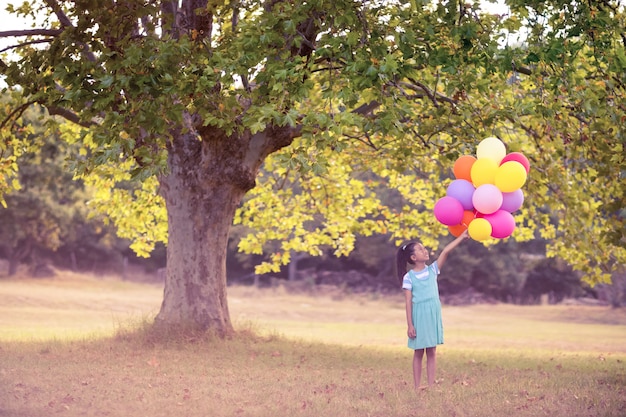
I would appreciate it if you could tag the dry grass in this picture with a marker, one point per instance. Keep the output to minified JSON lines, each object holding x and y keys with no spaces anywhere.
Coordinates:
{"x":297,"y":355}
{"x":72,"y":306}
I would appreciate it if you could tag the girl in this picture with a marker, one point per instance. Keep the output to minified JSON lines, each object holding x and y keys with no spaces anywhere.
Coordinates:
{"x":423,"y":307}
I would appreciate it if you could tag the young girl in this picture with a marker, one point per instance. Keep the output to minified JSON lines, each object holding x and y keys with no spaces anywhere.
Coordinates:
{"x":423,"y":307}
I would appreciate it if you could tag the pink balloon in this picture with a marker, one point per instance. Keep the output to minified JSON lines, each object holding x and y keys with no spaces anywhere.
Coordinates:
{"x":462,"y":190}
{"x":502,"y":224}
{"x":487,"y":198}
{"x":512,"y":201}
{"x":449,"y":211}
{"x":517,"y":157}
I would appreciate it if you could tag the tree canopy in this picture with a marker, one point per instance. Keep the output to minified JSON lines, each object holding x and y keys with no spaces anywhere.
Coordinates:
{"x":306,"y":111}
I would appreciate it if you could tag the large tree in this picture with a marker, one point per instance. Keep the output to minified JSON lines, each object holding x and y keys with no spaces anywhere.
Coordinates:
{"x":336,"y":99}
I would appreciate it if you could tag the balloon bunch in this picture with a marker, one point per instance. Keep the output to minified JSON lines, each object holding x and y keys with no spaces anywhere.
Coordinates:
{"x":485,"y":193}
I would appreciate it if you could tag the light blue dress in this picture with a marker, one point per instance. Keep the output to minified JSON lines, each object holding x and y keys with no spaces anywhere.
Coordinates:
{"x":426,"y":306}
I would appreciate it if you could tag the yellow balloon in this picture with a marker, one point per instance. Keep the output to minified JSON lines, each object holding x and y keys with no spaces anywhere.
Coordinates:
{"x":483,"y":172}
{"x":491,"y":148}
{"x":510,"y":176}
{"x":479,"y":229}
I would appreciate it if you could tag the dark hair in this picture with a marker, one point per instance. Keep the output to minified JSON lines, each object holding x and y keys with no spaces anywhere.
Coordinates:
{"x":403,"y":257}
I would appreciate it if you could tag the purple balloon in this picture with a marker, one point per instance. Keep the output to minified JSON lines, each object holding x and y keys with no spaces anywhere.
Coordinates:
{"x":462,"y":190}
{"x":448,"y":211}
{"x":487,"y":198}
{"x":512,"y":201}
{"x":502,"y":224}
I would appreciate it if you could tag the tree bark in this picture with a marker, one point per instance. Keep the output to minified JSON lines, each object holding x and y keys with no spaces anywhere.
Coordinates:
{"x":207,"y":180}
{"x":195,"y":279}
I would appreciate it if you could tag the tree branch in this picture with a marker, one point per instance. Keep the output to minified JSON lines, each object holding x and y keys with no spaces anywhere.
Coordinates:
{"x":30,"y":32}
{"x":433,"y":96}
{"x":234,"y":22}
{"x":366,"y":108}
{"x":52,"y":110}
{"x":66,"y":22}
{"x":367,"y":141}
{"x":70,"y":116}
{"x":25,"y":44}
{"x":305,"y":41}
{"x":56,"y":8}
{"x":170,"y":24}
{"x":16,"y":113}
{"x":522,"y":70}
{"x":199,"y":21}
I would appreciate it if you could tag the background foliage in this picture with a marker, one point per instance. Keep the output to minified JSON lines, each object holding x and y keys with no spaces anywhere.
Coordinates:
{"x":384,"y":98}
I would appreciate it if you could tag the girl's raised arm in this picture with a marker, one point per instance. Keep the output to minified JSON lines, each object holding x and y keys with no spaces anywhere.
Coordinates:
{"x":448,"y":248}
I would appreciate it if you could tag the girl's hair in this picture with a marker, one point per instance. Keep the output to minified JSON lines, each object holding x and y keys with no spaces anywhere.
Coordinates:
{"x":403,"y":257}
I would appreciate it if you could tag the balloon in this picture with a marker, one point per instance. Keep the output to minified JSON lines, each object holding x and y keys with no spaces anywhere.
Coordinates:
{"x":485,"y":192}
{"x":448,"y":211}
{"x":502,"y":224}
{"x":468,"y":216}
{"x":457,"y":229}
{"x":484,"y":172}
{"x":463,"y":167}
{"x":479,"y":229}
{"x":510,"y":176}
{"x":512,"y":201}
{"x":491,"y":148}
{"x":487,"y":199}
{"x":462,"y":190}
{"x":517,"y":157}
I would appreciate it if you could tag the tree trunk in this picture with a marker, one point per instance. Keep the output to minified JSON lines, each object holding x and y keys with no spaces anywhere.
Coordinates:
{"x":195,"y":279}
{"x":292,"y":269}
{"x":207,"y":180}
{"x":19,"y":253}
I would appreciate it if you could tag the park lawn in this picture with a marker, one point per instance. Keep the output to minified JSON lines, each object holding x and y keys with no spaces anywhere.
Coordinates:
{"x":79,"y":346}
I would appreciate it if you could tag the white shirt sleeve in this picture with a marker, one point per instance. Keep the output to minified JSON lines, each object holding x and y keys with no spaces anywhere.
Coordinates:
{"x":406,"y":282}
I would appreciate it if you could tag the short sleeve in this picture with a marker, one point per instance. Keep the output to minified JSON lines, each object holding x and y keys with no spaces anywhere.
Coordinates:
{"x":406,"y":282}
{"x":435,"y":267}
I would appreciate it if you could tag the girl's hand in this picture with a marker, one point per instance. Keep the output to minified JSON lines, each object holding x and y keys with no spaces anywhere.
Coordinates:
{"x":411,"y":332}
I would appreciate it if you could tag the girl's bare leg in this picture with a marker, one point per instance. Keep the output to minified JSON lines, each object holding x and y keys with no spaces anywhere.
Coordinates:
{"x":431,"y":364}
{"x":418,"y":355}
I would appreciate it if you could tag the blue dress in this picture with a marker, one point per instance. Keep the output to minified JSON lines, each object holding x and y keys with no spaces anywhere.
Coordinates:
{"x":426,"y":307}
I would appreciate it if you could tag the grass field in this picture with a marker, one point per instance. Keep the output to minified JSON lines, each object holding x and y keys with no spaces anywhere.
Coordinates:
{"x":79,"y":346}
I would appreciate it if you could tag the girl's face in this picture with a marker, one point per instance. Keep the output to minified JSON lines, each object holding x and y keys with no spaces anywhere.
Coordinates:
{"x":420,"y":254}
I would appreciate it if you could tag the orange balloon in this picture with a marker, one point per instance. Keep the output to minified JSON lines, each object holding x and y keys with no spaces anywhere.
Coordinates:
{"x":468,"y":216}
{"x":463,"y":167}
{"x":456,"y":230}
